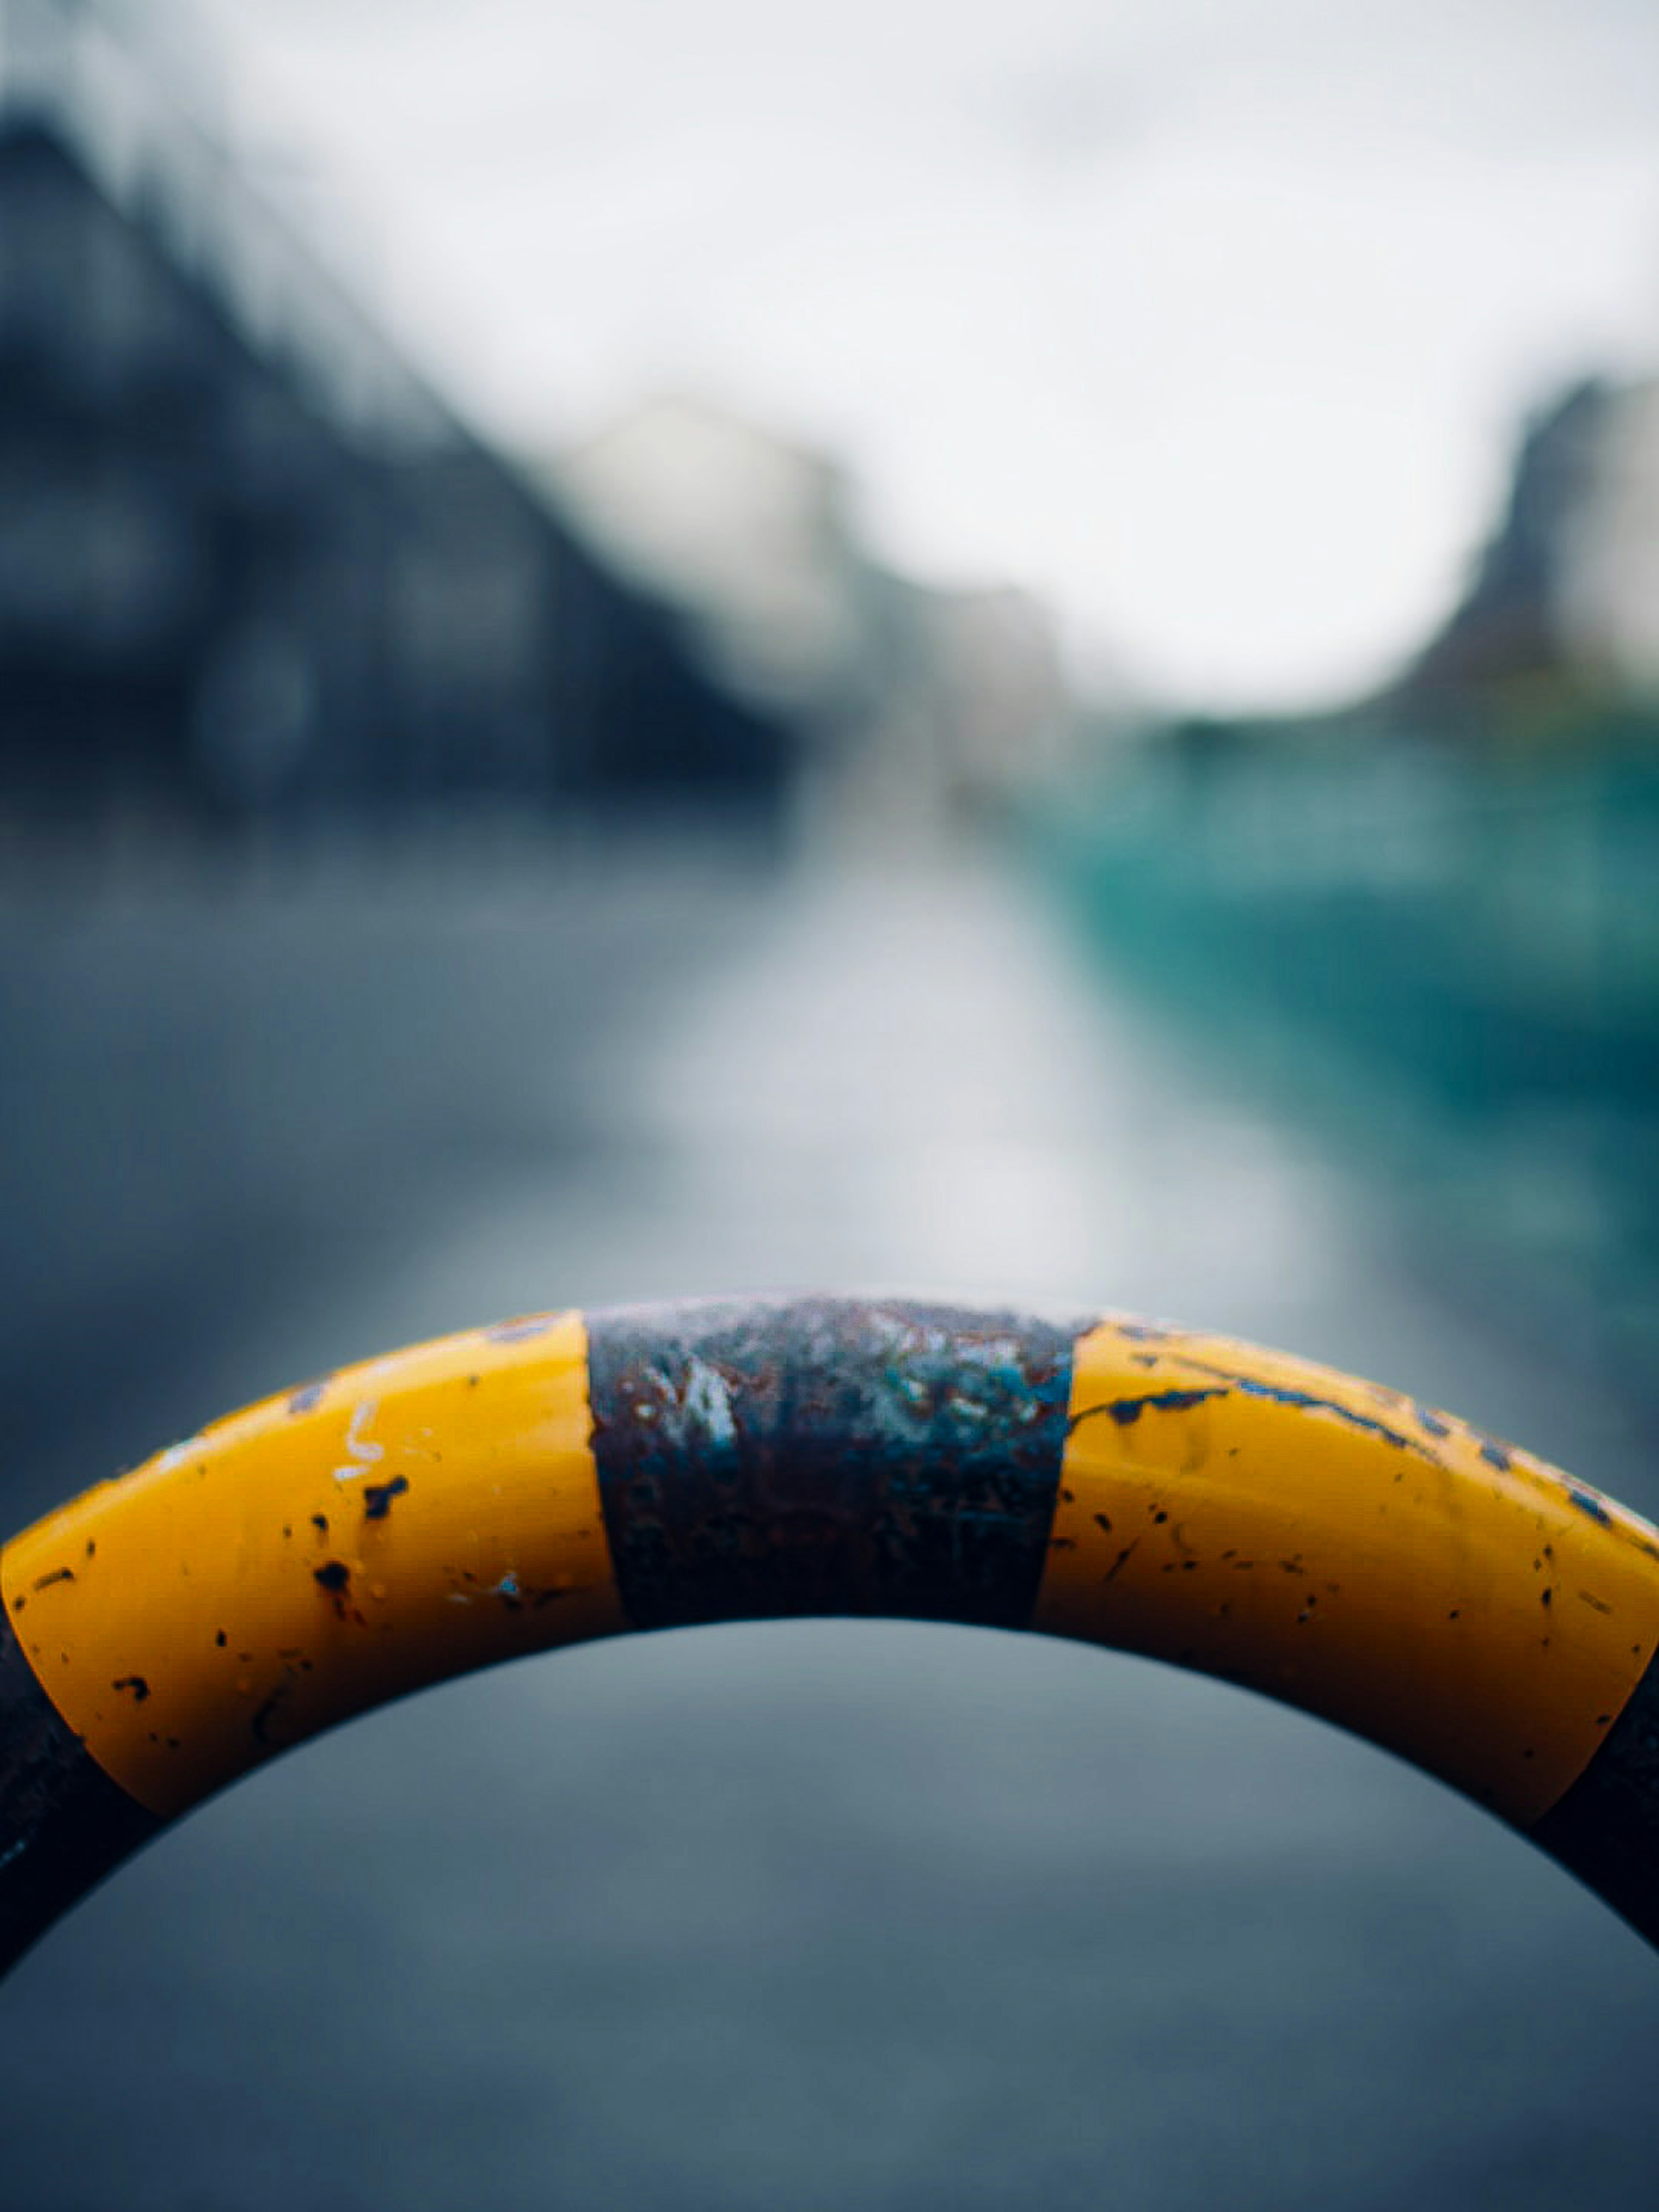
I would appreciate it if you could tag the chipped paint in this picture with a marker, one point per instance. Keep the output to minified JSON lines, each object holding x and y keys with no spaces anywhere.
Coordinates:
{"x":1127,"y":1411}
{"x":378,"y":1497}
{"x":520,"y":1330}
{"x":1330,"y":1541}
{"x":176,"y":1455}
{"x":240,"y":1567}
{"x":1439,"y":1570}
{"x":1302,"y":1399}
{"x":365,"y":1453}
{"x":1591,"y":1502}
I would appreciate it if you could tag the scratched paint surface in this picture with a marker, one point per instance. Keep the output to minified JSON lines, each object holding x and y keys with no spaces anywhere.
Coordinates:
{"x":335,"y":1546}
{"x":543,"y":1480}
{"x":767,"y":1457}
{"x":1332,"y":1543}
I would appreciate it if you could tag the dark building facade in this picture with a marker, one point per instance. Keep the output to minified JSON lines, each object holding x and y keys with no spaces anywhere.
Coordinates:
{"x":250,"y":564}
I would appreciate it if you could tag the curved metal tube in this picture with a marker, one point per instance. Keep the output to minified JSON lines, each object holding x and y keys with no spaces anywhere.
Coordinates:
{"x":565,"y":1476}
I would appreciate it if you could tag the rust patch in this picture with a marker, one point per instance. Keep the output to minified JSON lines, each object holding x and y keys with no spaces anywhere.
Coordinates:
{"x":834,"y":1455}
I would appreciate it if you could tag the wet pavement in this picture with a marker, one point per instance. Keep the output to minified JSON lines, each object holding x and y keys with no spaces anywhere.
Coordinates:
{"x":808,"y":1915}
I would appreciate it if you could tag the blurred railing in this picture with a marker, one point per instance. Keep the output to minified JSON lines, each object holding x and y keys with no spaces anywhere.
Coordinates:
{"x":1449,"y":957}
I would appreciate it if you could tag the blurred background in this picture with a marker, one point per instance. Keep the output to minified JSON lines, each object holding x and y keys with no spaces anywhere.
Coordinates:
{"x":682,"y":647}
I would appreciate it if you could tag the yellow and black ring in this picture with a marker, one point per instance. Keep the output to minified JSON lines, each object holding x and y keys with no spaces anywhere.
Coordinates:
{"x":563,"y":1476}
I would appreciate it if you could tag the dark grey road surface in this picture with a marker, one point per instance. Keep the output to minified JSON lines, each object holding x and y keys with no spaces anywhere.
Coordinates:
{"x":816,"y":1915}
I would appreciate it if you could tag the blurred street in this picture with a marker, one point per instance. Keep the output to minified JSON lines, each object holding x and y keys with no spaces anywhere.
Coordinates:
{"x":816,"y":1915}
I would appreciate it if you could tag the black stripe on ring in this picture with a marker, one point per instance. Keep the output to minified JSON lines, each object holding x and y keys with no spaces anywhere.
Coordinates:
{"x":1605,"y":1828}
{"x":67,"y":1824}
{"x":828,"y":1456}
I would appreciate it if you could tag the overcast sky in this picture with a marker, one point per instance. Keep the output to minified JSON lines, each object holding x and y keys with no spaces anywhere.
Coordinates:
{"x":1212,"y":322}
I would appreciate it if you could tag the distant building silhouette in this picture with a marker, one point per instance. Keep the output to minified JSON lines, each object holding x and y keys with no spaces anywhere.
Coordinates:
{"x":911,"y":702}
{"x":1610,"y":599}
{"x":1562,"y":609}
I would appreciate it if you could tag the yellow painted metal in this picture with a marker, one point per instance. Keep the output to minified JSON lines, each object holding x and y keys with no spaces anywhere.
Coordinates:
{"x":1332,"y":1543}
{"x":1320,"y":1539}
{"x":400,"y":1521}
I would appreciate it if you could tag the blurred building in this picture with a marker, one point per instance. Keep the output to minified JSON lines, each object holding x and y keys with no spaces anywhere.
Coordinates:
{"x":911,"y":703}
{"x":250,"y":563}
{"x":1610,"y":595}
{"x":1004,"y":699}
{"x":1561,"y":615}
